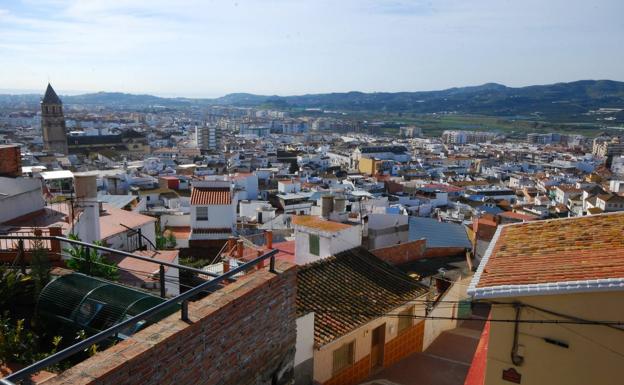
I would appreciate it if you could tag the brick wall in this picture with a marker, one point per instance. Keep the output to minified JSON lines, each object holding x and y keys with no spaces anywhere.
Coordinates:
{"x":406,"y":343}
{"x":444,"y":252}
{"x":10,"y":161}
{"x":402,"y":253}
{"x":352,"y":375}
{"x":411,"y":251}
{"x":242,"y":334}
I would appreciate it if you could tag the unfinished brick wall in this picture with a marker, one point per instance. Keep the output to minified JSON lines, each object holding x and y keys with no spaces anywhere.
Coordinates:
{"x":10,"y":161}
{"x":402,"y":253}
{"x":444,"y":252}
{"x":242,"y":334}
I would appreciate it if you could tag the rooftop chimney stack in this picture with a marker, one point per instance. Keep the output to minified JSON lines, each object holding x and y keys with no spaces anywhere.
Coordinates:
{"x":88,"y":228}
{"x":327,"y":205}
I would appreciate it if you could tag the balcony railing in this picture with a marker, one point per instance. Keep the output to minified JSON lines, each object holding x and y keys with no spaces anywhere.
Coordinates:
{"x":180,"y":301}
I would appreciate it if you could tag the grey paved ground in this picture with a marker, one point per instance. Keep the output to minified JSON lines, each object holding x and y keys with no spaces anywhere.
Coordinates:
{"x":445,"y":362}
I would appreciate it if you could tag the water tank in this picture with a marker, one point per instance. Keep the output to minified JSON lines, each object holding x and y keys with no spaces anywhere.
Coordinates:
{"x":327,"y":205}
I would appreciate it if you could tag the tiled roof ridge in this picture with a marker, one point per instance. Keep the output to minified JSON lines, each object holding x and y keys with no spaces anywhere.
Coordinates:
{"x":553,"y":286}
{"x":362,"y":253}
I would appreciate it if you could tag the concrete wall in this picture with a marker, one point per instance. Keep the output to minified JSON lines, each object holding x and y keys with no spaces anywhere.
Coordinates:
{"x":323,"y":356}
{"x":120,"y":241}
{"x":435,"y":327}
{"x":243,"y":334}
{"x":219,"y":216}
{"x":594,"y":352}
{"x":175,"y":220}
{"x":30,"y":200}
{"x":387,"y":230}
{"x":330,"y":243}
{"x":304,"y":354}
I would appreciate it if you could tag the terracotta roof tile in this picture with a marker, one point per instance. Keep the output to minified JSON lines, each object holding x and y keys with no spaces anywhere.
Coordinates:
{"x":219,"y":230}
{"x":348,"y":290}
{"x":211,"y":196}
{"x":112,"y":220}
{"x":318,"y":223}
{"x":561,"y":250}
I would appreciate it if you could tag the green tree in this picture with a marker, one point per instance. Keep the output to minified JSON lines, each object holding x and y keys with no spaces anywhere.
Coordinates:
{"x":11,"y":286}
{"x":89,"y":261}
{"x":164,"y":240}
{"x":40,"y":266}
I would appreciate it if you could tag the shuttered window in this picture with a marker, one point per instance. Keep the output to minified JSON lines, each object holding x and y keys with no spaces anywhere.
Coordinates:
{"x":202,"y":213}
{"x":314,"y":244}
{"x":343,"y":357}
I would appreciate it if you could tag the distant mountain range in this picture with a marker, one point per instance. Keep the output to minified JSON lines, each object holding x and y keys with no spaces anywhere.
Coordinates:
{"x":549,"y":101}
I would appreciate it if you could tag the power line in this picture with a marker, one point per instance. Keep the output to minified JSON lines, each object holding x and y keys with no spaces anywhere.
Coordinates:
{"x":532,"y":321}
{"x":587,"y":338}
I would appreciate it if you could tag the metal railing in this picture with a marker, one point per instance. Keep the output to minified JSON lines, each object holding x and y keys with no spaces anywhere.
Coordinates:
{"x":10,"y":236}
{"x":181,"y":300}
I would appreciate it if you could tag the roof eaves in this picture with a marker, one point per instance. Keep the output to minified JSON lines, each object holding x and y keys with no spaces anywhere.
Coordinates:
{"x":550,"y":288}
{"x":472,"y":288}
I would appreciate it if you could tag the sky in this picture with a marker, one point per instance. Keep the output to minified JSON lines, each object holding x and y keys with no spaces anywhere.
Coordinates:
{"x":209,"y":48}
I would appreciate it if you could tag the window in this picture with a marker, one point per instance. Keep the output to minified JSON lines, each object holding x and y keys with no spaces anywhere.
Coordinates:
{"x":343,"y":357}
{"x":314,"y":244}
{"x":406,"y":319}
{"x":202,"y":213}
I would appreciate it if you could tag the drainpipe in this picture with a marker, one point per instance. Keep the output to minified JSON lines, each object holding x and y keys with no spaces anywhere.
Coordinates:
{"x":515,"y":357}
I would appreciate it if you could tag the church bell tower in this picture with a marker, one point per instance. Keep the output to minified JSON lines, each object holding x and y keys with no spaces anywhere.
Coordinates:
{"x":53,"y":123}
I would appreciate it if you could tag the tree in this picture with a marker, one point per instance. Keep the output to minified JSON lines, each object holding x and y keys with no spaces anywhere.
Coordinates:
{"x":164,"y":239}
{"x":10,"y":286}
{"x":89,"y":261}
{"x":40,"y":266}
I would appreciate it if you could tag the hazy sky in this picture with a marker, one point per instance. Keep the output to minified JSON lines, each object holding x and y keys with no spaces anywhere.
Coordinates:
{"x":210,"y":48}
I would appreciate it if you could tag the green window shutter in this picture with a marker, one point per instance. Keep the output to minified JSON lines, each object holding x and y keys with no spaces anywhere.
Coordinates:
{"x":314,"y":244}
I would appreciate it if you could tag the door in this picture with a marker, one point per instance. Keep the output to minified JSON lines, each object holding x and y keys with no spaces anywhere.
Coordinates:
{"x":378,"y":341}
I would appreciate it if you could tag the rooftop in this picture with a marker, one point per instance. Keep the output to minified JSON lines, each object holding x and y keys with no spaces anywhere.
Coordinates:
{"x":50,"y":96}
{"x":211,"y":196}
{"x":111,"y":221}
{"x":350,"y":289}
{"x":580,"y":254}
{"x":317,"y":223}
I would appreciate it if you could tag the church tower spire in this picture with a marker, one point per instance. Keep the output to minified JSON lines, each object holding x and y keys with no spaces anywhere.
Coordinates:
{"x":53,"y":123}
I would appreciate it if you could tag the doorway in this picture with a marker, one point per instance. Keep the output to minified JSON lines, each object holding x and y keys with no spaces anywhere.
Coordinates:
{"x":378,"y":341}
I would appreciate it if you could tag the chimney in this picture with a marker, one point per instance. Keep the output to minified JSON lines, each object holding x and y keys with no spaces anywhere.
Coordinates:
{"x":231,"y":243}
{"x":88,"y":226}
{"x":10,"y":160}
{"x":327,"y":205}
{"x":239,"y":249}
{"x":268,"y":234}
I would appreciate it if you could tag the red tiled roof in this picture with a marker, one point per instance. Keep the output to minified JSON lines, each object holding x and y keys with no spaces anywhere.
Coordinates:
{"x":350,"y":289}
{"x":561,"y":250}
{"x":219,"y":230}
{"x":111,"y":221}
{"x":286,"y":251}
{"x":444,"y":187}
{"x":134,"y":271}
{"x":518,"y":216}
{"x":211,"y":196}
{"x":180,"y":232}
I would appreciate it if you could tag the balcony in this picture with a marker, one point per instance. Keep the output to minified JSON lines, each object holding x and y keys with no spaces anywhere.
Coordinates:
{"x":94,"y":305}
